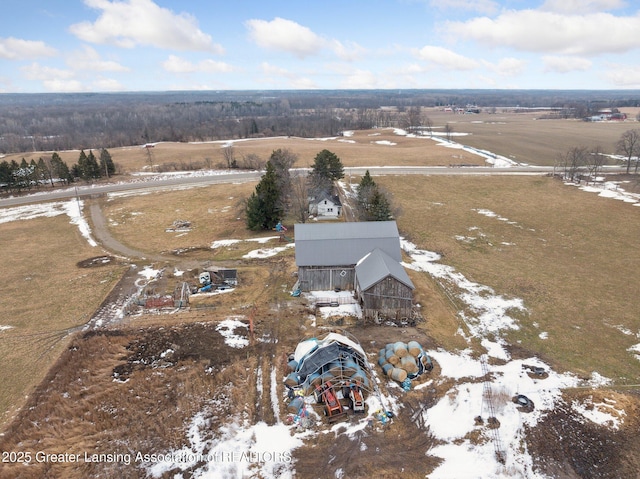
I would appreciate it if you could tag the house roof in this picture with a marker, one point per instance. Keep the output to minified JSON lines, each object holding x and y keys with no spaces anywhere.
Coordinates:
{"x":343,"y":244}
{"x":335,"y":199}
{"x":376,"y":266}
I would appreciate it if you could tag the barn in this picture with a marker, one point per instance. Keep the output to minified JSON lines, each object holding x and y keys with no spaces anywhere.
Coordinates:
{"x":327,"y":253}
{"x":363,"y":257}
{"x":383,"y":287}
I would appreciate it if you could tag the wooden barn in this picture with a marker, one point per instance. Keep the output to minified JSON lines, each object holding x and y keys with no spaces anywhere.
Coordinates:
{"x":363,"y":257}
{"x":383,"y":288}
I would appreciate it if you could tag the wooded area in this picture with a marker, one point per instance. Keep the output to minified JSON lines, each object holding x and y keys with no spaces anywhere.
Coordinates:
{"x":56,"y":122}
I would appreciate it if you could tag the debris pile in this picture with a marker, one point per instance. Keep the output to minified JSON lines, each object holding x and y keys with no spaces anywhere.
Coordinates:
{"x":403,"y":362}
{"x":333,"y":371}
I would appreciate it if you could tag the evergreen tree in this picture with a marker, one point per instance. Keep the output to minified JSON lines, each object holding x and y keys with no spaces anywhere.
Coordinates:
{"x":380,"y":208}
{"x":326,"y":169}
{"x":44,"y":171}
{"x":107,"y":166}
{"x":6,"y":175}
{"x":263,"y":206}
{"x":282,"y":161}
{"x":365,"y":190}
{"x":82,"y":170}
{"x":93,"y":169}
{"x":59,"y":169}
{"x":372,"y":204}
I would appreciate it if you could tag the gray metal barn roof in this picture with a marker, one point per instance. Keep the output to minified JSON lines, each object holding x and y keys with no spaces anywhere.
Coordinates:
{"x":376,"y":266}
{"x":343,"y":244}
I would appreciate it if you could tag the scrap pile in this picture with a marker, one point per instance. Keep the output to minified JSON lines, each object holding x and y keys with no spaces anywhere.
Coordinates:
{"x":334,"y":370}
{"x":403,"y":362}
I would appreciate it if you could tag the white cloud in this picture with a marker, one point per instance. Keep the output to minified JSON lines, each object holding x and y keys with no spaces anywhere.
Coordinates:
{"x":565,"y":64}
{"x":63,"y":86}
{"x":623,"y":76}
{"x":35,"y":71}
{"x":538,"y":31}
{"x":269,"y":69}
{"x":446,"y":58}
{"x":89,"y":59}
{"x":141,"y":22}
{"x":481,"y":6}
{"x":510,"y":66}
{"x":582,"y":6}
{"x":360,"y":79}
{"x":285,"y":35}
{"x":17,"y":49}
{"x":107,"y":84}
{"x":350,"y":52}
{"x":176,"y":64}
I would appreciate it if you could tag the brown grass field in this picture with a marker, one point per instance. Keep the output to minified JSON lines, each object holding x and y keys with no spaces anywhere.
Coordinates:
{"x":520,"y":136}
{"x":568,"y":254}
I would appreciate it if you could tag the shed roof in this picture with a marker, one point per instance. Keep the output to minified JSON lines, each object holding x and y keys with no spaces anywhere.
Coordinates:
{"x":376,"y":266}
{"x":342,"y":244}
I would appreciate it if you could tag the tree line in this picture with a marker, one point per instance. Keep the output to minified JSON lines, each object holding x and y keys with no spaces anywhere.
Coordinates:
{"x":580,"y":160}
{"x":53,"y":171}
{"x":282,"y":194}
{"x":56,"y":122}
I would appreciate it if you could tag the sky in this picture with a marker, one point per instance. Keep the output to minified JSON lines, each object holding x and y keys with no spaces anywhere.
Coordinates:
{"x":161,"y":45}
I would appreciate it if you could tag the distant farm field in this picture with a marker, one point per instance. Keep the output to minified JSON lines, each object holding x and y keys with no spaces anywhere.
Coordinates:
{"x":521,"y":137}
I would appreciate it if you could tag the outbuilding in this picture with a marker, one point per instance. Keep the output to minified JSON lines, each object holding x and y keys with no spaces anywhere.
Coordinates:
{"x":383,"y":287}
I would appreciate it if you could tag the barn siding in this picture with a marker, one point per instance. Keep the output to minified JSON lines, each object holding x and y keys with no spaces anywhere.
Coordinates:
{"x":389,"y":297}
{"x":322,"y":278}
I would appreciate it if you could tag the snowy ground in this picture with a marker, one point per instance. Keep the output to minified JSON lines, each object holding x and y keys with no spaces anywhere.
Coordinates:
{"x":269,"y":448}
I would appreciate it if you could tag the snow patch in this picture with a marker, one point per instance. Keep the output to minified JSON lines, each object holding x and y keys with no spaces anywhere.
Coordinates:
{"x":227,"y":329}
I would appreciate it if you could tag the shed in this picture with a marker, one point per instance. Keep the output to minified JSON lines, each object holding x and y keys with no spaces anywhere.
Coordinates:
{"x":383,"y":287}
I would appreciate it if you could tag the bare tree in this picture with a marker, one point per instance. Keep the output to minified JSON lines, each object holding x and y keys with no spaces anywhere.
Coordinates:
{"x":629,"y":146}
{"x":573,"y":160}
{"x":597,"y":160}
{"x":229,"y":155}
{"x":428,"y":124}
{"x":448,"y":129}
{"x":299,"y":196}
{"x":252,"y":161}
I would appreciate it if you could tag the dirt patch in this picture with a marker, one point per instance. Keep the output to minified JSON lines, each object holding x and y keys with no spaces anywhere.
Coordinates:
{"x":566,"y":445}
{"x":96,"y":261}
{"x":164,"y":348}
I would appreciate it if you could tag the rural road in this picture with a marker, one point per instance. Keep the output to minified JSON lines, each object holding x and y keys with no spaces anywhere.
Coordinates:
{"x":218,"y":178}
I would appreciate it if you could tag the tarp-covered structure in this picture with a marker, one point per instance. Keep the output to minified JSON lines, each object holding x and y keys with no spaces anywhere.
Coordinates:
{"x":335,"y":358}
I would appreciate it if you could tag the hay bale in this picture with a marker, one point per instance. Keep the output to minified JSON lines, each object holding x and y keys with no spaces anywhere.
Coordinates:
{"x":414,"y":348}
{"x":392,"y":358}
{"x":408,"y":363}
{"x":295,"y":405}
{"x":335,"y":368}
{"x":292,"y":365}
{"x":382,"y":361}
{"x":350,"y":367}
{"x":398,"y":374}
{"x":292,"y":380}
{"x":400,"y":349}
{"x":387,"y":368}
